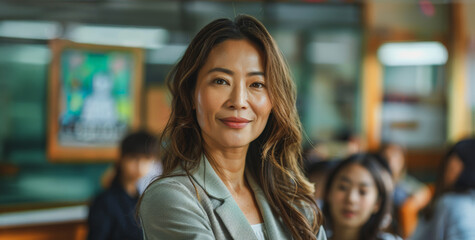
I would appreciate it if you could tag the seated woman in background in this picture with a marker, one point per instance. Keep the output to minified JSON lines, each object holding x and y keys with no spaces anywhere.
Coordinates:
{"x":112,"y":213}
{"x":410,"y":195}
{"x":451,"y":213}
{"x":406,"y":186}
{"x":357,"y":200}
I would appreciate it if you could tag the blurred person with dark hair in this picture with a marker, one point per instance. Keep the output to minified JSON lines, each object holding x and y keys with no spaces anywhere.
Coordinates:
{"x":358,"y":199}
{"x":451,"y":212}
{"x":112,"y":213}
{"x":317,"y":173}
{"x":317,"y":165}
{"x":316,"y":152}
{"x":410,"y":194}
{"x":353,"y":143}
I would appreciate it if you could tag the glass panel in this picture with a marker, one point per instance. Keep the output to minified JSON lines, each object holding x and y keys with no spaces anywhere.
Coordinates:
{"x":413,"y":109}
{"x":330,"y":85}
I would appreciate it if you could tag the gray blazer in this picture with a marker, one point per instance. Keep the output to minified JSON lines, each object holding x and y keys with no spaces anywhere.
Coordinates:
{"x":170,"y":209}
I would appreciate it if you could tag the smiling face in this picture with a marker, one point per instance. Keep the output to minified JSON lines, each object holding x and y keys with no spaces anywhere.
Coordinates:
{"x":353,"y":196}
{"x":231,"y":99}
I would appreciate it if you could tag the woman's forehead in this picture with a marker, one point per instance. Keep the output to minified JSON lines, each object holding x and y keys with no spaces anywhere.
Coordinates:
{"x":232,"y":51}
{"x":355,"y":174}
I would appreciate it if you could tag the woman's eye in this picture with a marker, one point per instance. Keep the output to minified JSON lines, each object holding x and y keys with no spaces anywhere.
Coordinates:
{"x":341,"y":187}
{"x":220,"y":81}
{"x":362,"y":192}
{"x":257,"y":85}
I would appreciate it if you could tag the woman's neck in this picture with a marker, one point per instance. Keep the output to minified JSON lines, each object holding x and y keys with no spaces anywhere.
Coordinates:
{"x":229,"y":164}
{"x":345,"y":233}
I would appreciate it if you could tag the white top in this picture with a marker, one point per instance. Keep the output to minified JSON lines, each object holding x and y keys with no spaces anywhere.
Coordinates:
{"x":259,"y":230}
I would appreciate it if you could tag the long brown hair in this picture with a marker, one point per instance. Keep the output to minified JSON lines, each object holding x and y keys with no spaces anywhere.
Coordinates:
{"x":274,"y":158}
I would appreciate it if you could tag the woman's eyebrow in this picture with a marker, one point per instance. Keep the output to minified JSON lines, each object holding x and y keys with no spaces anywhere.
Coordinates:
{"x":364,"y":184}
{"x":345,"y":179}
{"x":219,"y":69}
{"x":257,"y":73}
{"x":229,"y":72}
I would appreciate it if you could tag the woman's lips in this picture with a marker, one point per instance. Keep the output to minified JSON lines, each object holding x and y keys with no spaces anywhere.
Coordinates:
{"x":235,"y":122}
{"x":348,"y":214}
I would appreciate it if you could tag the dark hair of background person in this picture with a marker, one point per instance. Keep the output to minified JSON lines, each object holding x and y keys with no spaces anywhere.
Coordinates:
{"x":465,"y":151}
{"x":274,"y":158}
{"x":374,"y":164}
{"x":137,"y":144}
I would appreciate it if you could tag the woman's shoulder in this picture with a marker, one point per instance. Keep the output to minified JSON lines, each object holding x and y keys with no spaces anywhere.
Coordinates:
{"x":454,"y":207}
{"x":459,"y":196}
{"x":455,"y":214}
{"x":170,"y":206}
{"x":169,"y":191}
{"x":388,"y":236}
{"x":170,"y":185}
{"x":464,"y":200}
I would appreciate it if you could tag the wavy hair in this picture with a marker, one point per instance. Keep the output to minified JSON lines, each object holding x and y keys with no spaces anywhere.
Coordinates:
{"x":383,"y":181}
{"x":274,"y":158}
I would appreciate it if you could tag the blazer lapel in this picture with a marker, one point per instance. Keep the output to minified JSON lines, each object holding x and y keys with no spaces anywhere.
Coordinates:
{"x":235,"y":221}
{"x":229,"y":212}
{"x":274,"y":228}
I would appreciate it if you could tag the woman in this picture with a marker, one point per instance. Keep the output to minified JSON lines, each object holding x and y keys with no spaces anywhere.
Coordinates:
{"x":410,"y":195}
{"x":111,"y":215}
{"x":406,"y":186}
{"x":451,"y":212}
{"x":231,"y":166}
{"x":357,"y":199}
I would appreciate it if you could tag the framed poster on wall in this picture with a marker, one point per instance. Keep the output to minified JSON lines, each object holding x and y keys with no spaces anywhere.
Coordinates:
{"x":93,"y":100}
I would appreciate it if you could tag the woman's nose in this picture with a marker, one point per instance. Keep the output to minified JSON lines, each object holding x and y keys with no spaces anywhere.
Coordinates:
{"x":239,"y":96}
{"x":352,"y":196}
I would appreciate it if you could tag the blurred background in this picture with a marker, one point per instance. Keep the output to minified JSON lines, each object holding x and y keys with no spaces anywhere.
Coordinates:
{"x":368,"y":73}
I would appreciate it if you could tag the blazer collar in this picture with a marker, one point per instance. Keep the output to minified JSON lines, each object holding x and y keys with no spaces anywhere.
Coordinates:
{"x":229,"y":211}
{"x":231,"y":215}
{"x":207,"y":178}
{"x":274,"y":227}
